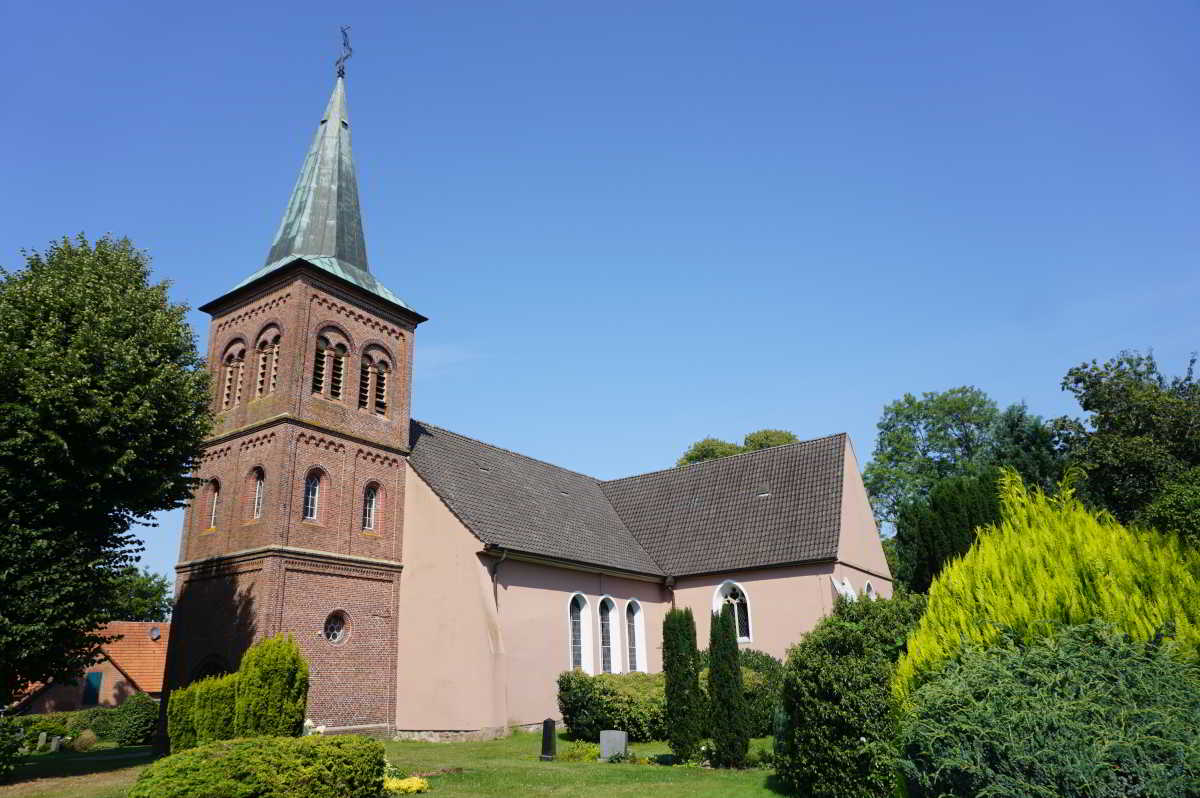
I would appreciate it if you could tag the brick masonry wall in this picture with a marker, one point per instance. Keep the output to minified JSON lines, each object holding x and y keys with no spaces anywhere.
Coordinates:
{"x":230,"y":599}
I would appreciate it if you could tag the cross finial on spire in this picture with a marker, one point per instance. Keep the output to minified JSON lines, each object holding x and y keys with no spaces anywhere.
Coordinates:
{"x":347,"y":51}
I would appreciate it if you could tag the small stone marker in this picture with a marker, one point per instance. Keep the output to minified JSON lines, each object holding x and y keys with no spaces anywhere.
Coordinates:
{"x":41,"y":741}
{"x":549,"y":741}
{"x":57,"y":741}
{"x":613,"y":743}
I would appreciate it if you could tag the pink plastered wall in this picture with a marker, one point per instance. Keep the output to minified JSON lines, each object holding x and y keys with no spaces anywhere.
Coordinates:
{"x":859,"y":546}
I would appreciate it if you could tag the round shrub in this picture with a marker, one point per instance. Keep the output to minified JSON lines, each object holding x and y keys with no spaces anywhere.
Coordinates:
{"x":99,"y":719}
{"x":181,"y":722}
{"x":269,"y":767}
{"x":135,"y":720}
{"x":84,"y":741}
{"x":837,"y":729}
{"x":11,"y":736}
{"x":272,"y":689}
{"x":632,"y":702}
{"x":1051,"y":562}
{"x":1088,"y":713}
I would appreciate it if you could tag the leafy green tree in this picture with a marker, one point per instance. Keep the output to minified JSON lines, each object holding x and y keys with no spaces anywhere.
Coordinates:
{"x":726,"y":693}
{"x":1140,"y":434}
{"x":142,"y":595}
{"x":1027,"y":443}
{"x":135,"y":719}
{"x":932,"y":531}
{"x":685,"y":702}
{"x":924,"y":440}
{"x":1177,"y":508}
{"x":271,"y":689}
{"x":103,"y":407}
{"x":838,"y":724}
{"x":714,"y":448}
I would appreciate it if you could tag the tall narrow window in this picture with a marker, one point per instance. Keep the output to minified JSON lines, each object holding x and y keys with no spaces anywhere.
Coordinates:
{"x":732,"y":594}
{"x":606,"y":636}
{"x":381,"y":376}
{"x":264,"y":354}
{"x":369,"y":500}
{"x":240,"y":377}
{"x":312,"y":496}
{"x":318,"y":379}
{"x":227,"y":393}
{"x":335,"y":377}
{"x":214,"y":503}
{"x":364,"y":384}
{"x":274,"y":364}
{"x":577,"y":632}
{"x":260,"y":486}
{"x":631,"y":634}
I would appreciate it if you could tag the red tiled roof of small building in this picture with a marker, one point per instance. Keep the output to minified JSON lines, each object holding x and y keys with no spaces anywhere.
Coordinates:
{"x":138,"y":656}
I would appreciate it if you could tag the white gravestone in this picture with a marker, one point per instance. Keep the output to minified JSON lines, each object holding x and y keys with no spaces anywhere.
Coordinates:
{"x":54,"y":744}
{"x":41,"y":741}
{"x":613,"y":743}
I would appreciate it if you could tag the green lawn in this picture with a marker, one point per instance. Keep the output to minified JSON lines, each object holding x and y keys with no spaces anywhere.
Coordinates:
{"x":509,"y":766}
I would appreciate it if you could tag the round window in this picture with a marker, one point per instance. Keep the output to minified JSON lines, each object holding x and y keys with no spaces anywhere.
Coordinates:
{"x":337,"y":628}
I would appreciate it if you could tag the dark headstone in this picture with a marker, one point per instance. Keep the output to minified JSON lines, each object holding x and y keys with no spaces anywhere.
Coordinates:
{"x":548,"y":740}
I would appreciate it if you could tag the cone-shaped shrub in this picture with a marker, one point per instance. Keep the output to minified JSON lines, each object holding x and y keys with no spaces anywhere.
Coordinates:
{"x":272,"y":691}
{"x":726,"y":693}
{"x":1048,"y":563}
{"x":685,"y":702}
{"x":214,"y":708}
{"x":181,"y":726}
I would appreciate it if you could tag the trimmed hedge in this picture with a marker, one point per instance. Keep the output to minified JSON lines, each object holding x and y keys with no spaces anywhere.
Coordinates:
{"x":632,"y":702}
{"x":213,"y":708}
{"x":135,"y":719}
{"x":269,"y":767}
{"x":181,"y":722}
{"x":272,"y":691}
{"x":1087,"y":713}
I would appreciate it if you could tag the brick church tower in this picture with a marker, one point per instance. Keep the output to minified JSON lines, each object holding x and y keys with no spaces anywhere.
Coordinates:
{"x":298,"y":524}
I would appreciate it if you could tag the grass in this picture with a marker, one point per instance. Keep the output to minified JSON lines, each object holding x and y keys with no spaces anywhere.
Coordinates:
{"x":508,"y":766}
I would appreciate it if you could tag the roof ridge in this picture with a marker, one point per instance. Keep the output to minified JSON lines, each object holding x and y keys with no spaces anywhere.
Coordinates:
{"x":727,"y":457}
{"x":597,"y":480}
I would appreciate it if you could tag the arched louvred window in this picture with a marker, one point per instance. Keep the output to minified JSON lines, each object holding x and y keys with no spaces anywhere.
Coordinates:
{"x":264,"y":368}
{"x":607,"y":636}
{"x":318,"y":375}
{"x":260,"y":489}
{"x":733,"y":594}
{"x":370,"y":504}
{"x":337,"y":371}
{"x":577,"y":608}
{"x":273,"y":380}
{"x":381,"y":386}
{"x":364,"y":383}
{"x":214,"y":502}
{"x":233,"y":365}
{"x":632,"y":624}
{"x":312,"y":495}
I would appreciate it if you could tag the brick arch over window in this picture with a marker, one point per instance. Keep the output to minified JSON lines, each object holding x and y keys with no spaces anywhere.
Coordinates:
{"x":316,"y":496}
{"x":254,"y":493}
{"x":330,"y":356}
{"x":375,"y":379}
{"x":266,"y":354}
{"x":233,"y":369}
{"x":373,"y":504}
{"x":211,"y":510}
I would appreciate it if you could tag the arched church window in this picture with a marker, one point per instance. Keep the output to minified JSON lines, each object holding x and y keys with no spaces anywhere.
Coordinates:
{"x":268,"y":361}
{"x":312,"y":495}
{"x":578,"y":605}
{"x":364,"y":383}
{"x":381,"y":386}
{"x":606,"y":635}
{"x":370,"y":501}
{"x":735,"y":595}
{"x":260,"y":489}
{"x":318,"y":377}
{"x":234,"y":364}
{"x":338,"y":356}
{"x":633,"y":620}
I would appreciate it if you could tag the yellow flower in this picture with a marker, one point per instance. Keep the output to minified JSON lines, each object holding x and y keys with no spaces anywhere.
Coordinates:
{"x":409,"y":786}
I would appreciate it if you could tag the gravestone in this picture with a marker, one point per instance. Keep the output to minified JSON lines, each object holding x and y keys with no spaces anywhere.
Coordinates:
{"x":54,"y":743}
{"x":612,"y":743}
{"x":41,"y":741}
{"x":548,"y":740}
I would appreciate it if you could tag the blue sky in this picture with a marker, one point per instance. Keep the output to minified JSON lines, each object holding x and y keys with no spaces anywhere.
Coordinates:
{"x":635,"y":224}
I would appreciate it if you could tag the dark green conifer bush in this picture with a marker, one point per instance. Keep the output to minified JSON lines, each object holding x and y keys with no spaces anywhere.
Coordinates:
{"x":181,"y":723}
{"x":272,"y":691}
{"x":837,"y":728}
{"x":214,"y":708}
{"x":135,"y":720}
{"x":685,"y":715}
{"x":1086,"y":713}
{"x":726,"y":694}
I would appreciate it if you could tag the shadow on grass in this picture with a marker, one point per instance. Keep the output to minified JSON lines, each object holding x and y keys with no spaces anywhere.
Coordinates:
{"x":775,"y":784}
{"x":71,"y":763}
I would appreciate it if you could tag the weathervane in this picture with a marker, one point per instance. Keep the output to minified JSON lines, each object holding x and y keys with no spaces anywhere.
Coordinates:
{"x":347,"y":51}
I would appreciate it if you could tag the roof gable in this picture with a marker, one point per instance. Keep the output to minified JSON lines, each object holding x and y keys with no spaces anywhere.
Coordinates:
{"x":139,"y":657}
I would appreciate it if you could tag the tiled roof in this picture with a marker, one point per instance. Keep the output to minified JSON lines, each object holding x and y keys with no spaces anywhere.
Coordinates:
{"x":139,"y":657}
{"x":513,"y":501}
{"x":770,"y":507}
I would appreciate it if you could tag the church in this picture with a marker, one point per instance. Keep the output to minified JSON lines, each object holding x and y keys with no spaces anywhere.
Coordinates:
{"x":438,"y":584}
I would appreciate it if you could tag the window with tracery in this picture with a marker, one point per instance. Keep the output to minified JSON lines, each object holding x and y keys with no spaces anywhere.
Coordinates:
{"x":631,"y":634}
{"x":312,"y":496}
{"x":733,"y":595}
{"x":606,"y":663}
{"x":577,"y":632}
{"x":370,"y":499}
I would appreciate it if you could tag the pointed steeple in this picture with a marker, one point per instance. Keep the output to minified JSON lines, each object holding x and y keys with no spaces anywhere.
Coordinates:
{"x":322,"y":217}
